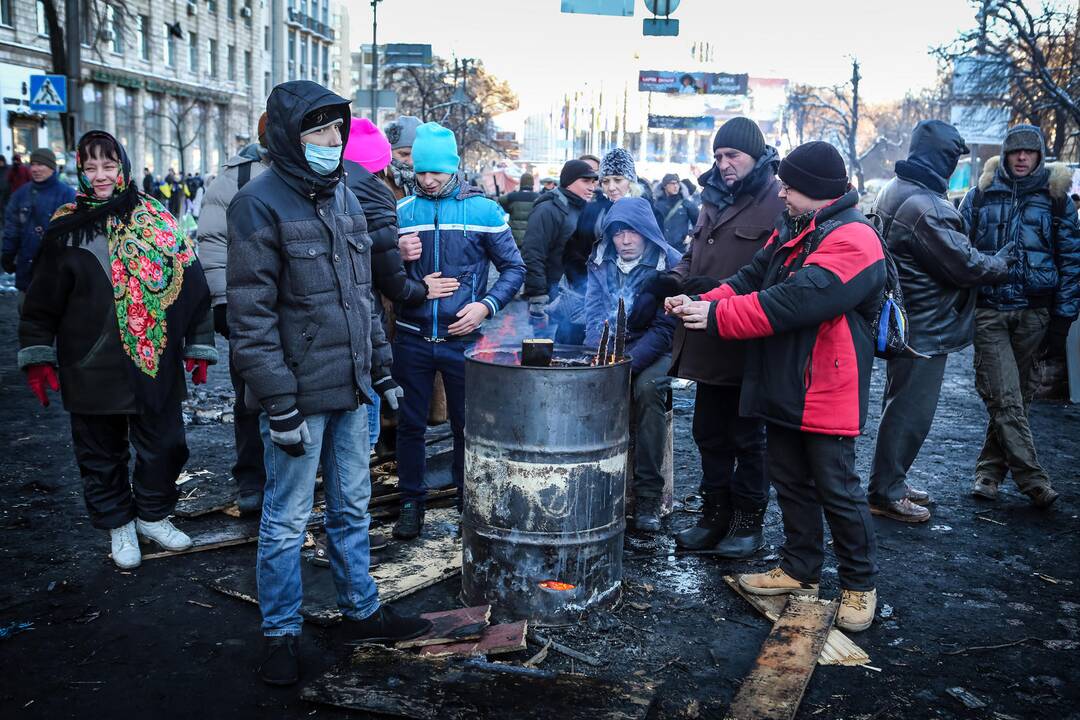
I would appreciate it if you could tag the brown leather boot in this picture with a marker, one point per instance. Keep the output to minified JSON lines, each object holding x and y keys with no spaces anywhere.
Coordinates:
{"x":903,"y":510}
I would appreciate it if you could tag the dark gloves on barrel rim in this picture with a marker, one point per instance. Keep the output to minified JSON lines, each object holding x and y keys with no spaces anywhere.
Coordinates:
{"x":289,"y":431}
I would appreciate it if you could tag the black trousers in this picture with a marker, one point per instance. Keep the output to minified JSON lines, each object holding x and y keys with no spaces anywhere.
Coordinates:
{"x":732,"y":447}
{"x":102,"y":450}
{"x":814,"y":473}
{"x":248,"y":471}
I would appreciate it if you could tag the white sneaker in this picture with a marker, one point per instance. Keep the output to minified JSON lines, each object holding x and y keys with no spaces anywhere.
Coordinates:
{"x":125,"y":547}
{"x":164,"y":533}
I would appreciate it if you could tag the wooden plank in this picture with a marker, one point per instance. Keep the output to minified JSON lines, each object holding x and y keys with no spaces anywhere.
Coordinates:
{"x":775,"y":685}
{"x":450,"y":626}
{"x":397,"y":683}
{"x":404,"y":569}
{"x":839,"y":648}
{"x":221,"y":534}
{"x":495,"y":640}
{"x":204,"y":495}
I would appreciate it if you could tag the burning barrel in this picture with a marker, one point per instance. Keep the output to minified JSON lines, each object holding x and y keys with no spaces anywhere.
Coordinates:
{"x":545,"y":477}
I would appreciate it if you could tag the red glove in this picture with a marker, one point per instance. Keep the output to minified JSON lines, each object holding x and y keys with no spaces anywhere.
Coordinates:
{"x":40,"y":375}
{"x":198,"y":369}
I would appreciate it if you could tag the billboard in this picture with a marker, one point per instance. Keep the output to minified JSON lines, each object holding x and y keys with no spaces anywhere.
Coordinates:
{"x":672,"y":122}
{"x":618,"y":8}
{"x":692,"y":83}
{"x":981,"y":124}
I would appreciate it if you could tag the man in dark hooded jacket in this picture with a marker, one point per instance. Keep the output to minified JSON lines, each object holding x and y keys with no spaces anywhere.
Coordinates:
{"x":939,"y":271}
{"x":306,"y":338}
{"x":674,"y":206}
{"x":631,"y":251}
{"x":1021,"y":201}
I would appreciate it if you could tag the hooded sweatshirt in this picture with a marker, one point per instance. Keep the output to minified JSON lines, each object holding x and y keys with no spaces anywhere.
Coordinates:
{"x":304,"y":326}
{"x":608,"y":282}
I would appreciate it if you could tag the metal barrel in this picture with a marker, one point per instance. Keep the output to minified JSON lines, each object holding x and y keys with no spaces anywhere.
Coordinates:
{"x":545,"y":477}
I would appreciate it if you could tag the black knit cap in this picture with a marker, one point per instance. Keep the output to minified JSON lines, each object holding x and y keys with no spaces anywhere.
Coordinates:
{"x":575,"y":170}
{"x":740,"y":133}
{"x":816,"y":170}
{"x":318,"y":119}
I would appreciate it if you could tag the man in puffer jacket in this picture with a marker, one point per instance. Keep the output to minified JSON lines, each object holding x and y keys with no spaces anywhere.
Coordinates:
{"x":807,"y":300}
{"x":461,"y":233}
{"x":631,"y":251}
{"x":1021,"y":201}
{"x":248,"y":470}
{"x":939,"y":271}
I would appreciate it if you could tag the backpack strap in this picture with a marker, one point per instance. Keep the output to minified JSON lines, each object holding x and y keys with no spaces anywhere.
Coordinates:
{"x":243,"y":175}
{"x":976,"y":205}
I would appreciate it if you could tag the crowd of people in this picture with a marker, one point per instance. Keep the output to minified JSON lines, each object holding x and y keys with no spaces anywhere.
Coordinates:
{"x":349,"y":267}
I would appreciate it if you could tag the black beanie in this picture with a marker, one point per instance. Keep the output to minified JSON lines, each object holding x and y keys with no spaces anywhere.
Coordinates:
{"x":816,"y":170}
{"x":740,"y":133}
{"x":318,"y":119}
{"x":575,"y":170}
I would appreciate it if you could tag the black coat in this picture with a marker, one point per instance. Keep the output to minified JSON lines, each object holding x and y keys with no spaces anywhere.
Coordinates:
{"x":303,"y":323}
{"x":552,"y":222}
{"x":938,"y":268}
{"x":380,"y":210}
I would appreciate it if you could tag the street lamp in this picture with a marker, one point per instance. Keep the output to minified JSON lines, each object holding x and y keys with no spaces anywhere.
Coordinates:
{"x":375,"y":60}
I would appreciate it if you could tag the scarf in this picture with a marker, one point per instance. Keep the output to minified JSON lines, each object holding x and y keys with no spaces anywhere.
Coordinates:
{"x":147,"y":254}
{"x":715,"y":192}
{"x":625,"y":266}
{"x":404,"y":176}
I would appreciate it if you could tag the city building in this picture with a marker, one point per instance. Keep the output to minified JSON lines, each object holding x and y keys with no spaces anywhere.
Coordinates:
{"x":173,"y":80}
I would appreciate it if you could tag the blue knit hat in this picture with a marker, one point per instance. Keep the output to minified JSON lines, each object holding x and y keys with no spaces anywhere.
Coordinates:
{"x":435,"y":149}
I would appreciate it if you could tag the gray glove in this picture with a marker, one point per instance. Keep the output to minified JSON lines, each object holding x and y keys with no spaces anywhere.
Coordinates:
{"x":1006,"y":253}
{"x":289,"y":431}
{"x":391,"y":392}
{"x":537,"y":306}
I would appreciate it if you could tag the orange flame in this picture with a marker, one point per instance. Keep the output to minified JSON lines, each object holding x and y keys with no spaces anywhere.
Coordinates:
{"x":556,"y":585}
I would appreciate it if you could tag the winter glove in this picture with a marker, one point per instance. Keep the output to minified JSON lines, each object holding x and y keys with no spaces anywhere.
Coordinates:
{"x":1057,"y":335}
{"x":537,"y":305}
{"x":391,"y":392}
{"x":662,"y":285}
{"x":7,"y":261}
{"x":1006,"y":254}
{"x":221,"y":320}
{"x":289,"y":431}
{"x":198,"y":369}
{"x":643,"y":311}
{"x":38,"y":377}
{"x":698,"y":284}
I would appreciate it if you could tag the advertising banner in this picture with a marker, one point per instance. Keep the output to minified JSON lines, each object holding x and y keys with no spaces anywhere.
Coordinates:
{"x":672,"y":122}
{"x":692,"y":83}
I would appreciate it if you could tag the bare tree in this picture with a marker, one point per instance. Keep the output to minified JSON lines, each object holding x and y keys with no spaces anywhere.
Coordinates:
{"x":1031,"y":64}
{"x":182,"y":122}
{"x":463,"y":96}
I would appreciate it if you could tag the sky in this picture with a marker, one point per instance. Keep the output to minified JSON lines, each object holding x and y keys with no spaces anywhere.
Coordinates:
{"x":544,"y":53}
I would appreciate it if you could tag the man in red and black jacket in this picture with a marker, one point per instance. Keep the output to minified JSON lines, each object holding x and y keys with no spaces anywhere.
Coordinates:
{"x":807,"y":300}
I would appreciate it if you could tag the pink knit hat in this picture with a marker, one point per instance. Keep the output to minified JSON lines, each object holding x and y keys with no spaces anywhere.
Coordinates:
{"x":367,"y":145}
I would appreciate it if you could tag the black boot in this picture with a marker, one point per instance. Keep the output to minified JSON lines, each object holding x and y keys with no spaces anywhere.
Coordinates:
{"x":411,"y":520}
{"x":281,"y":660}
{"x":711,"y":527}
{"x":385,"y":625}
{"x":744,"y":536}
{"x":647,"y":514}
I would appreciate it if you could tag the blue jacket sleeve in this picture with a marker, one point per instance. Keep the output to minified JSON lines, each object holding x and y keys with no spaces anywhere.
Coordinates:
{"x":1067,"y":258}
{"x":505,"y":256}
{"x":654,"y":343}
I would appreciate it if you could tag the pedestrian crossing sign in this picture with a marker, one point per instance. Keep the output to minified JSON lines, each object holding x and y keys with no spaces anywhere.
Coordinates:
{"x":48,"y":93}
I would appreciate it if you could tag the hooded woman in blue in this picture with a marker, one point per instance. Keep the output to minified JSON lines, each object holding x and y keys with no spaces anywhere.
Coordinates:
{"x":632,"y":251}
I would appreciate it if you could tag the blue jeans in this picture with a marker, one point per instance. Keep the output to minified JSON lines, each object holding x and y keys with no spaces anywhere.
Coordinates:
{"x":338,"y":441}
{"x":373,"y":416}
{"x":415,"y":363}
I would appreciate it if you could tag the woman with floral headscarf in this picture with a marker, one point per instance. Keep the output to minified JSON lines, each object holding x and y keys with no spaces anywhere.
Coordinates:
{"x":116,"y":308}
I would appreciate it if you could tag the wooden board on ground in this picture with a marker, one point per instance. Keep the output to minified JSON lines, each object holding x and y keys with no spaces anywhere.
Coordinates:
{"x":400,"y":684}
{"x":220,"y":531}
{"x":495,"y":640}
{"x":775,"y":685}
{"x":839,"y":648}
{"x":450,"y":626}
{"x":404,"y":569}
{"x":204,"y":495}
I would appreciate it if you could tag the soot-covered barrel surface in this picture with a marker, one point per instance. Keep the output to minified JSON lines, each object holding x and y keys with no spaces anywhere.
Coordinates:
{"x":545,"y":476}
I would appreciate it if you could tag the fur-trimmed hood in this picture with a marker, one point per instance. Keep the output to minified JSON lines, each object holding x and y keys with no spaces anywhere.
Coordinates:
{"x":1059,"y":183}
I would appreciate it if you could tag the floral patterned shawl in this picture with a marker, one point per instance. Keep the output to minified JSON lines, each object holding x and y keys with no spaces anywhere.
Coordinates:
{"x":147,"y":254}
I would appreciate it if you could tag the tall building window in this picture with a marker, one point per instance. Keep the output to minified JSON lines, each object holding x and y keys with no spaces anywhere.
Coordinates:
{"x":326,"y":64}
{"x":232,"y":63}
{"x":303,"y":57}
{"x":153,"y":157}
{"x":142,"y":36}
{"x":42,"y":25}
{"x":5,"y":13}
{"x":168,"y":48}
{"x":326,"y":12}
{"x":292,"y":52}
{"x":314,"y":60}
{"x":211,"y":5}
{"x":115,"y":25}
{"x":93,"y":109}
{"x":125,"y":116}
{"x":212,"y":58}
{"x":247,"y":68}
{"x":193,"y":53}
{"x":230,"y":8}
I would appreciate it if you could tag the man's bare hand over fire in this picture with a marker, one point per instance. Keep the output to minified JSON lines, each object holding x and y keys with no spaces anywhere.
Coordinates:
{"x":471,"y":316}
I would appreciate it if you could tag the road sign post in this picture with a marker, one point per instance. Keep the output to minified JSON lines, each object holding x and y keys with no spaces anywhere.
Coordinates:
{"x":48,"y":93}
